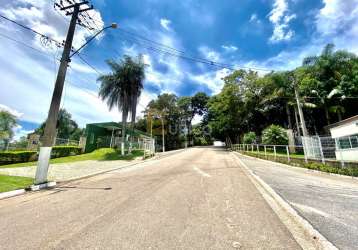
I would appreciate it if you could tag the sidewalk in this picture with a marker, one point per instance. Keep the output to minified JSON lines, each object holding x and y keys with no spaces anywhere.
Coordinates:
{"x":70,"y":171}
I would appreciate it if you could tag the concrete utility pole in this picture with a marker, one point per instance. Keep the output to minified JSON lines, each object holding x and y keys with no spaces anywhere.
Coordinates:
{"x":300,"y":112}
{"x":51,"y":122}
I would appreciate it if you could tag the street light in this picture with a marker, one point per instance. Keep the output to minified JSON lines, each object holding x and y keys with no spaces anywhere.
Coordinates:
{"x":113,"y":26}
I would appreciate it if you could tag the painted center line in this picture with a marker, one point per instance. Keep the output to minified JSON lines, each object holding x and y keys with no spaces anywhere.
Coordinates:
{"x":201,"y":172}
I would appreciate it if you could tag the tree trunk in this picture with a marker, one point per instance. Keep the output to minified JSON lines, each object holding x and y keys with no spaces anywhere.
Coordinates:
{"x":124,"y":124}
{"x":339,"y":114}
{"x":288,"y":113}
{"x":297,"y":123}
{"x":326,"y":114}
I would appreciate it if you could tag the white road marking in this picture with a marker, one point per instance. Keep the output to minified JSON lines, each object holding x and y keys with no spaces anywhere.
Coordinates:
{"x":201,"y":172}
{"x":309,"y":209}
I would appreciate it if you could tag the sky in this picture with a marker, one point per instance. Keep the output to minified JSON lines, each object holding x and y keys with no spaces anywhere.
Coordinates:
{"x":262,"y":34}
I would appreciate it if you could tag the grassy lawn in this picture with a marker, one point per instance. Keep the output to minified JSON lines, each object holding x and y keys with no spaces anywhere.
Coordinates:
{"x":9,"y":183}
{"x":102,"y":154}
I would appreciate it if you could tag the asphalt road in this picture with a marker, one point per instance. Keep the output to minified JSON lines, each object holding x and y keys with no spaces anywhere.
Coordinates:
{"x":329,"y":203}
{"x":196,"y":199}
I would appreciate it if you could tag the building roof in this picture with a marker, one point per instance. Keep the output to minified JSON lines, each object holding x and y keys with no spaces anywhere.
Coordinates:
{"x":343,"y":122}
{"x":118,"y":125}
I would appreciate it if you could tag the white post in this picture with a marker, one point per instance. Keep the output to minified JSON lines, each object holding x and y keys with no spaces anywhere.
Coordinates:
{"x":320,"y":150}
{"x":257,"y":149}
{"x":110,"y":145}
{"x":288,"y":154}
{"x":265,"y":151}
{"x":274,"y":150}
{"x":252,"y":148}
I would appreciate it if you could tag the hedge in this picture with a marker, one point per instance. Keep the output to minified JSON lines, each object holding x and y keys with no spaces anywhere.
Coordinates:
{"x":62,"y":151}
{"x":9,"y":157}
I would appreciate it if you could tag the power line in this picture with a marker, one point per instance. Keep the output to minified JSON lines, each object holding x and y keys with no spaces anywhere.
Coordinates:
{"x":161,"y":48}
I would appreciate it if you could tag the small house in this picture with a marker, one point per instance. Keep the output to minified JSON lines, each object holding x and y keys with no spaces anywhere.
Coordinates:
{"x":345,"y":134}
{"x":109,"y":134}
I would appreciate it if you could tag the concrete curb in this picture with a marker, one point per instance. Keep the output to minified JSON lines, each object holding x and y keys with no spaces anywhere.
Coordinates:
{"x":13,"y":193}
{"x":301,"y":169}
{"x":50,"y":184}
{"x":303,"y":232}
{"x":32,"y":188}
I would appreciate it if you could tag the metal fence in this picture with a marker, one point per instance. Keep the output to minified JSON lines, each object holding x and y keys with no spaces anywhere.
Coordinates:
{"x":313,"y":149}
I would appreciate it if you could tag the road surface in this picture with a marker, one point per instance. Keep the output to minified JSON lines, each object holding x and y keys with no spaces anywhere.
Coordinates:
{"x":197,"y":199}
{"x":328,"y":202}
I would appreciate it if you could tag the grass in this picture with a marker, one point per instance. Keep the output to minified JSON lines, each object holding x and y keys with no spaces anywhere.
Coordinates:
{"x":102,"y":154}
{"x":9,"y":183}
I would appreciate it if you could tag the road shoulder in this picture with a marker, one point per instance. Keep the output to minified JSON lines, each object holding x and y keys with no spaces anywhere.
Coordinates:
{"x":303,"y":232}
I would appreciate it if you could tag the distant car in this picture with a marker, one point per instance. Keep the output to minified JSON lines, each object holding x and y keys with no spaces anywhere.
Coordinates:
{"x":219,"y":144}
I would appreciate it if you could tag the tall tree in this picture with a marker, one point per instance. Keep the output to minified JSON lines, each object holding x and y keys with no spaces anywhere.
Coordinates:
{"x":122,"y":88}
{"x":7,"y":123}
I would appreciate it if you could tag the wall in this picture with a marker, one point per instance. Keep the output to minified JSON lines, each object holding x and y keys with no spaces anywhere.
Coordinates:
{"x":345,"y":130}
{"x":347,"y":154}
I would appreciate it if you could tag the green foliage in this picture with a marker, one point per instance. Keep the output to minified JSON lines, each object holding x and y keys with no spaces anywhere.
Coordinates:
{"x":102,"y":154}
{"x":61,"y":151}
{"x":249,"y":138}
{"x":274,"y":135}
{"x":8,"y":157}
{"x":249,"y":102}
{"x":7,"y":123}
{"x":67,"y":128}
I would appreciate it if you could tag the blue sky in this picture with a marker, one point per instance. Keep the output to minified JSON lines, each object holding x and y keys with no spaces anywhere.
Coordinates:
{"x":265,"y":34}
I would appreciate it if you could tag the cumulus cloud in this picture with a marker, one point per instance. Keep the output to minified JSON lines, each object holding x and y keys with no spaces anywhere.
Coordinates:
{"x":337,"y":21}
{"x":165,"y":23}
{"x":280,"y":18}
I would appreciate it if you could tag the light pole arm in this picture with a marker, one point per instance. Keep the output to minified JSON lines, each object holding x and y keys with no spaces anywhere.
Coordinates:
{"x":113,"y":25}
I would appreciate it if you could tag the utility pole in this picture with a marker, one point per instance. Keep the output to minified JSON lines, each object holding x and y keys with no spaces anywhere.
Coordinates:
{"x":51,"y":122}
{"x":300,"y":112}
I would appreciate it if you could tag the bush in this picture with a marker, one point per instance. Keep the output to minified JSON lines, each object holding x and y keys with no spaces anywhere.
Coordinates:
{"x":274,"y":135}
{"x":9,"y":157}
{"x":62,"y":151}
{"x":249,"y":138}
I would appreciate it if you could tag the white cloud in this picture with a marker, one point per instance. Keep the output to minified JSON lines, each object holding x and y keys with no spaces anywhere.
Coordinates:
{"x":209,"y":54}
{"x":337,"y":22}
{"x":254,"y":19}
{"x":165,"y":23}
{"x":280,"y":19}
{"x":211,"y":79}
{"x":10,"y":110}
{"x":40,"y":16}
{"x":229,"y":48}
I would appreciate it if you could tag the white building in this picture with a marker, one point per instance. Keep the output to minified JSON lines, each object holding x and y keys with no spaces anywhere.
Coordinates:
{"x":345,"y":134}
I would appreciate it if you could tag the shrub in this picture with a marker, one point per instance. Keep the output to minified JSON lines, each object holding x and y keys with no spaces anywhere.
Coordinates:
{"x":249,"y":138}
{"x":62,"y":151}
{"x":274,"y":135}
{"x":9,"y":157}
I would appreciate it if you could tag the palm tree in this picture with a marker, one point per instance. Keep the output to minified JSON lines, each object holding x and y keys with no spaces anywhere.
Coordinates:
{"x":122,"y":88}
